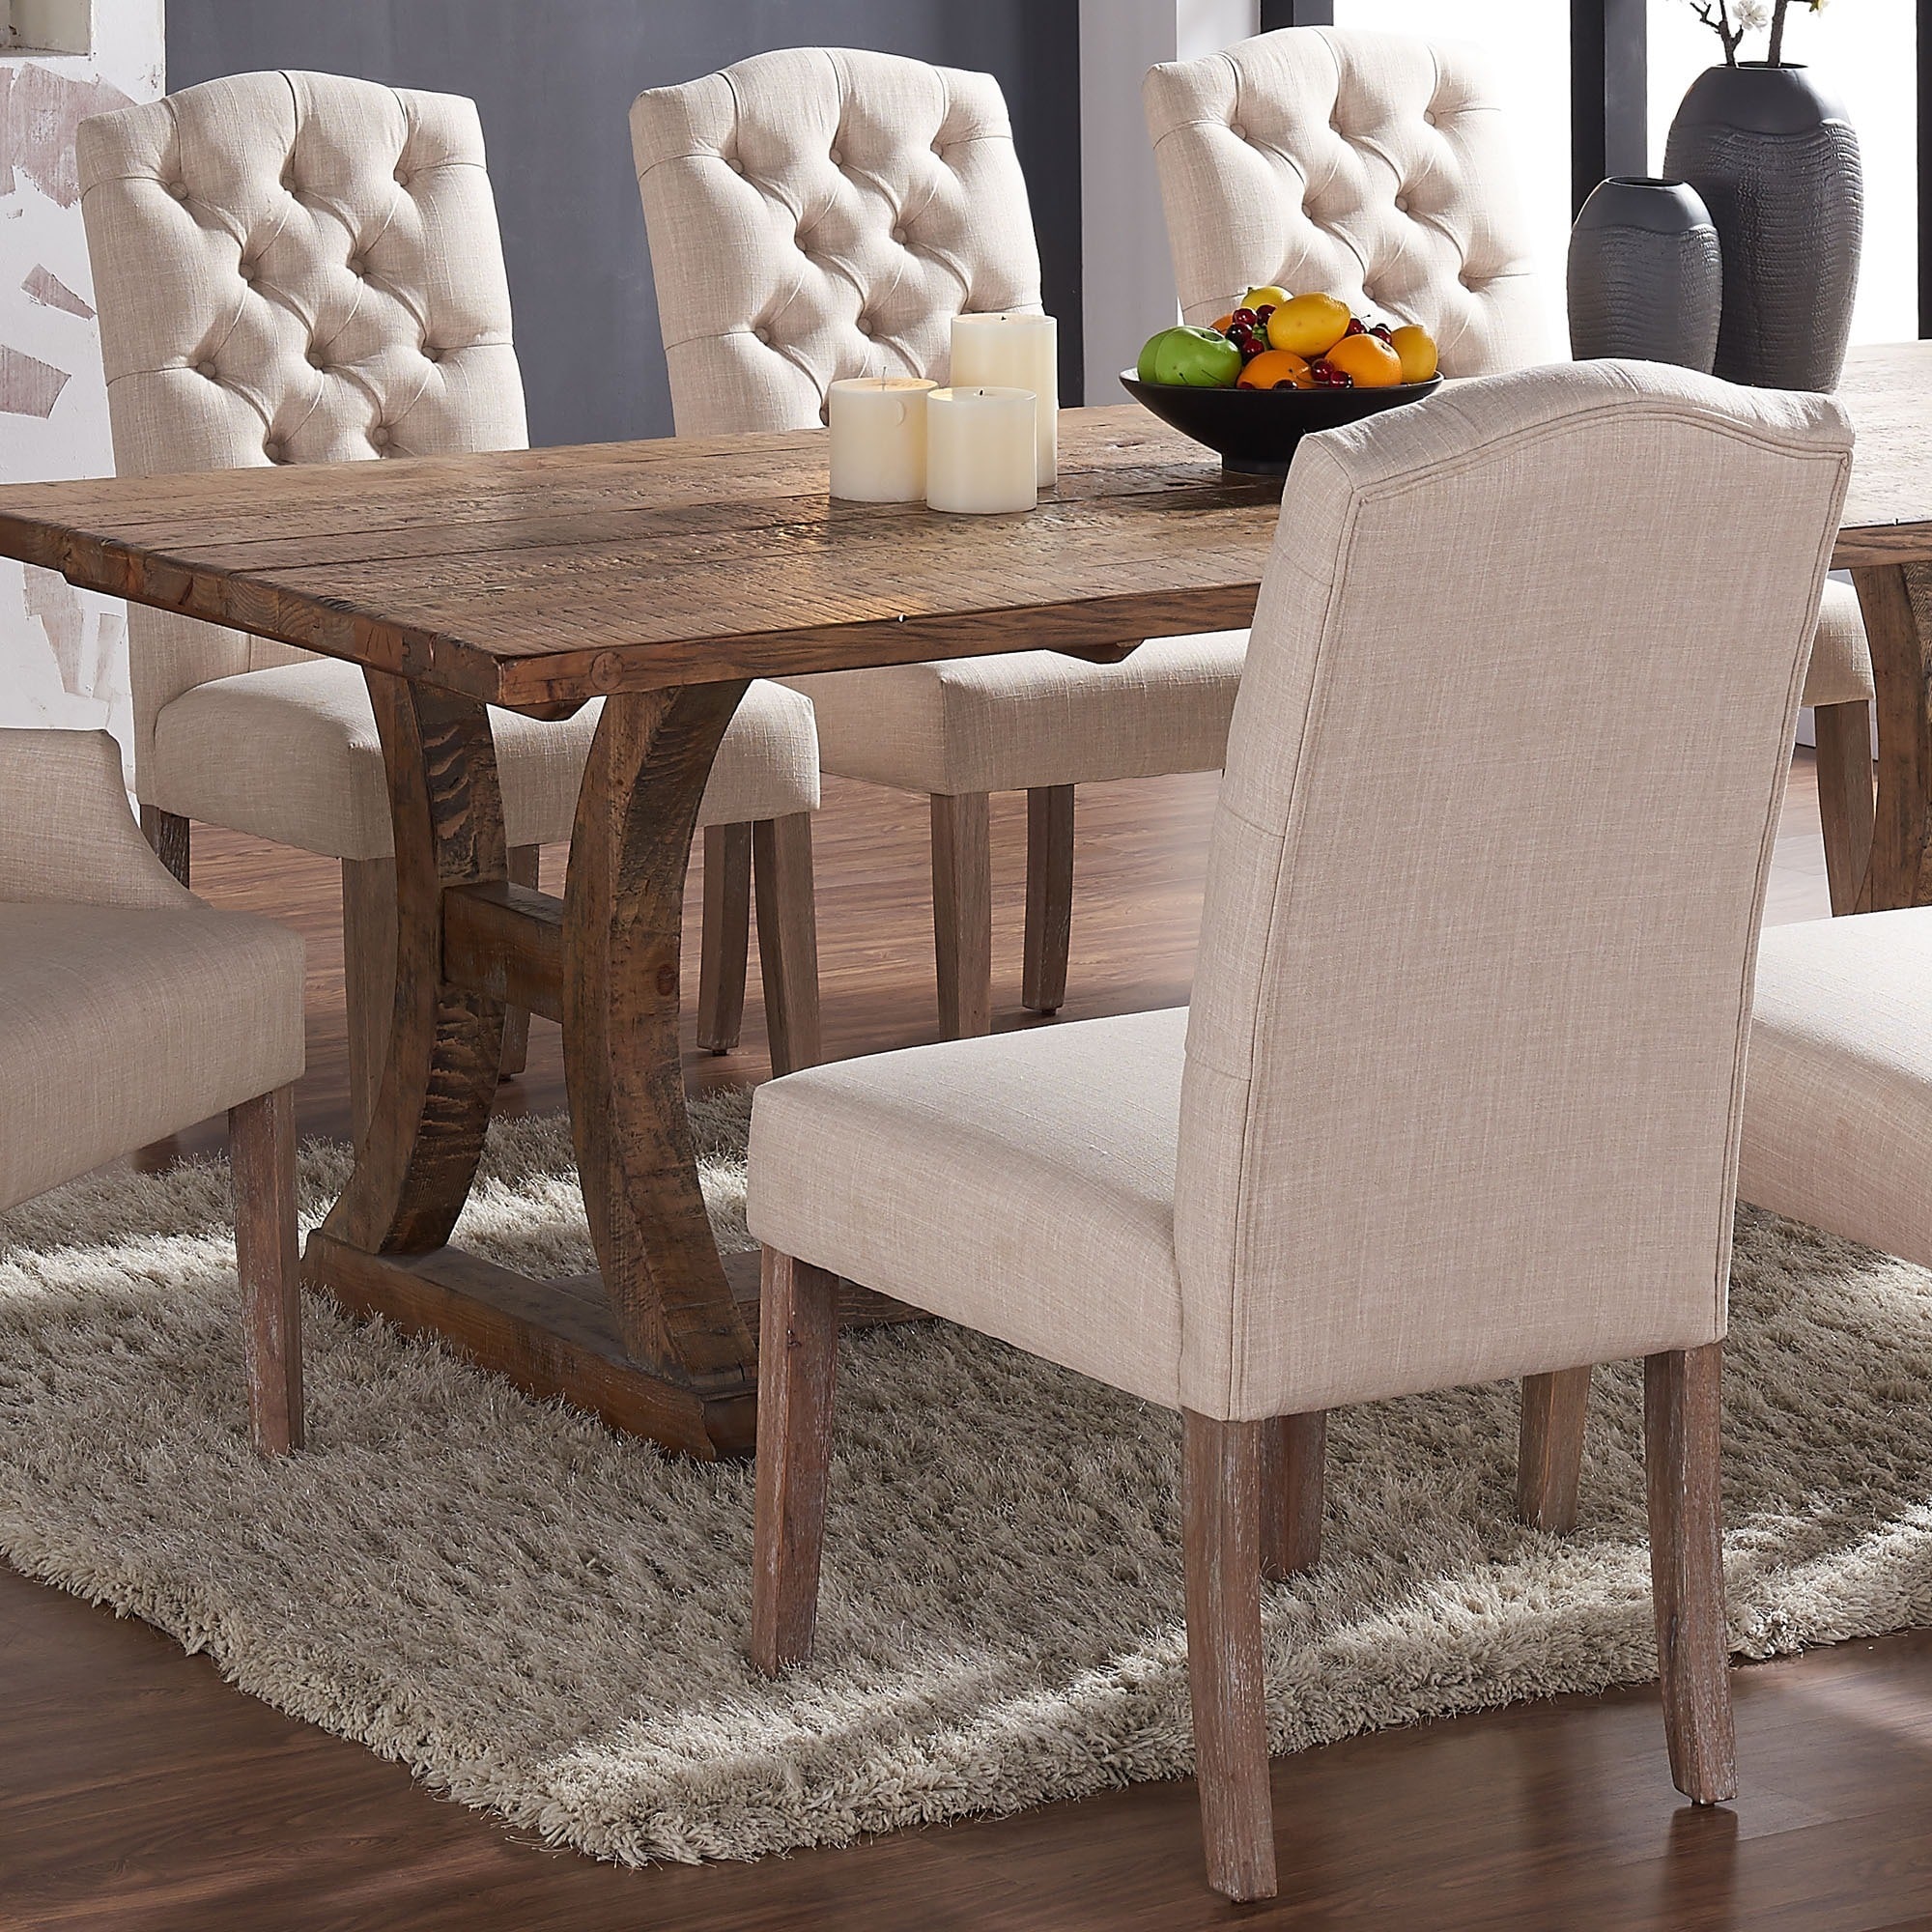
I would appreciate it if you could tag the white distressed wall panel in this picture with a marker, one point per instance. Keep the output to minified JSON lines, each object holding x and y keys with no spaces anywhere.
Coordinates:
{"x":63,"y":652}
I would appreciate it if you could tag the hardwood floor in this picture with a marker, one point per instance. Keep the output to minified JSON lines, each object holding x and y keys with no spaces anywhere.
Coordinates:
{"x":138,"y":1791}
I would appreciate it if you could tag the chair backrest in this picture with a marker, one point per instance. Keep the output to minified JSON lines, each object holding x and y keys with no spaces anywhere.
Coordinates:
{"x":1465,"y":1055}
{"x":1373,"y":166}
{"x":291,"y":267}
{"x":819,"y":212}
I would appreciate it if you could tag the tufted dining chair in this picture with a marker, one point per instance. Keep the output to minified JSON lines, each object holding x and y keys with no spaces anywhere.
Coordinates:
{"x":300,"y":267}
{"x":815,"y":214}
{"x":1377,"y":166}
{"x":1458,"y":1098}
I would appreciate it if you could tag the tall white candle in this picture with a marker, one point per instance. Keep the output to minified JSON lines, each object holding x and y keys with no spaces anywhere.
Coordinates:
{"x":979,"y":450}
{"x":878,"y":437}
{"x":1015,"y":350}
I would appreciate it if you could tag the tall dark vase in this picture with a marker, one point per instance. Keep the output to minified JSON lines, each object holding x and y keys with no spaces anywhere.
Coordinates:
{"x":1776,"y":164}
{"x":1646,"y":278}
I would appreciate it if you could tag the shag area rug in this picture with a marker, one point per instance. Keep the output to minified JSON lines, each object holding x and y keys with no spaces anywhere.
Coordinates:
{"x":546,"y":1620}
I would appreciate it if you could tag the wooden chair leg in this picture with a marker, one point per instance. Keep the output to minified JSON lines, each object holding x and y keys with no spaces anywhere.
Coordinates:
{"x":1294,"y":1448}
{"x":262,"y":1160}
{"x":726,"y":936}
{"x":1682,"y":1401}
{"x":787,"y":939}
{"x":368,"y":977}
{"x":1221,"y":1501}
{"x":524,"y":866}
{"x":1550,"y":1452}
{"x":798,"y":1348}
{"x":962,"y":912}
{"x":1049,"y":902}
{"x":1845,"y":805}
{"x":168,"y":833}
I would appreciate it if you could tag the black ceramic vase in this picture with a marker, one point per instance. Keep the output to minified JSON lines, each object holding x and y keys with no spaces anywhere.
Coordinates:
{"x":1776,"y":164}
{"x":1646,"y":278}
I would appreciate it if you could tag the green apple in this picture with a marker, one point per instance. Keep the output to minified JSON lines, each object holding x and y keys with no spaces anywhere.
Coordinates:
{"x":1195,"y":358}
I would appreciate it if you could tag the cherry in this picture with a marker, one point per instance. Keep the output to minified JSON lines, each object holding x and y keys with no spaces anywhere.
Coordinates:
{"x":1254,"y":346}
{"x":1243,"y":318}
{"x":1386,"y":332}
{"x":1356,"y":326}
{"x":1262,"y":313}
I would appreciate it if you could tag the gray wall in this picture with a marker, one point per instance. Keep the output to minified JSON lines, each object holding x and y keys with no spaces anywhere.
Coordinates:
{"x":554,"y":82}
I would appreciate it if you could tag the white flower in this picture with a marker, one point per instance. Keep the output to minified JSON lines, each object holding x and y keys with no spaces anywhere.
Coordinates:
{"x":1751,"y":15}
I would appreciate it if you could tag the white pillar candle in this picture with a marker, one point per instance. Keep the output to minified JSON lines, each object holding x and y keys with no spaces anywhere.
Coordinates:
{"x":878,"y":437}
{"x":981,"y":450}
{"x":1015,"y":350}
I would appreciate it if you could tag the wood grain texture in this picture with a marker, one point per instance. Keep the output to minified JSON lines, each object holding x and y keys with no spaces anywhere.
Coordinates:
{"x":723,"y":953}
{"x":167,"y":833}
{"x":1295,"y":1450}
{"x":623,"y":927}
{"x":505,"y":941}
{"x":368,"y":977}
{"x":1895,"y":600}
{"x":1049,"y":904}
{"x":526,"y":862}
{"x":1550,"y":1451}
{"x":1845,"y":806}
{"x":788,"y":939}
{"x":262,"y":1167}
{"x":962,"y":914}
{"x":1221,"y":1512}
{"x":1681,"y":1403}
{"x":799,"y":1335}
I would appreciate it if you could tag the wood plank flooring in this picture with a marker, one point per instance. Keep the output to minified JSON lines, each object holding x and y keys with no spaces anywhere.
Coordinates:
{"x":138,"y":1791}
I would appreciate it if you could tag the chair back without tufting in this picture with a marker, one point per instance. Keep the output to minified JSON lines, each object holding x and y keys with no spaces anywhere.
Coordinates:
{"x":1465,"y":1054}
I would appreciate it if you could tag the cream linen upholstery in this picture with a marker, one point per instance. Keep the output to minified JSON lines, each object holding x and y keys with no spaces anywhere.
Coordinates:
{"x":299,"y":268}
{"x":128,"y":1008}
{"x":1464,"y":1069}
{"x":1838,"y":1095}
{"x":1372,"y":165}
{"x":290,"y":754}
{"x":821,"y":212}
{"x":1841,"y":667}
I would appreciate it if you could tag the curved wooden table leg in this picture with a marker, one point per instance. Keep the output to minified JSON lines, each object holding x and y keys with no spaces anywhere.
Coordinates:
{"x":414,"y":1169}
{"x":622,"y":927}
{"x":1897,"y":603}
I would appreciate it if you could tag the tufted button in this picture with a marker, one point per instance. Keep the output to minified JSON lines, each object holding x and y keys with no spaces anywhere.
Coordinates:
{"x":314,"y":358}
{"x":382,"y":436}
{"x":899,"y":236}
{"x":763,"y":333}
{"x":205,"y":368}
{"x":246,"y":271}
{"x":358,"y":265}
{"x":865,"y":326}
{"x":1236,"y":128}
{"x":431,"y":353}
{"x":837,"y":160}
{"x":402,"y":176}
{"x":275,"y":450}
{"x":732,"y":162}
{"x":178,"y":189}
{"x":1402,"y":203}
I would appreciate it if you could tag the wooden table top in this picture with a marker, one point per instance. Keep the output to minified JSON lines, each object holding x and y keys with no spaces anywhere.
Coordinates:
{"x":539,"y":577}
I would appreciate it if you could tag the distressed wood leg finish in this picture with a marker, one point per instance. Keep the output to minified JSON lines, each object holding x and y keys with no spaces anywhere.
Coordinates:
{"x":1293,"y":1450}
{"x":726,"y":937}
{"x":798,"y":1325}
{"x":787,"y":939}
{"x":623,"y":911}
{"x":1682,"y":1399}
{"x":1550,"y":1452}
{"x":262,"y":1162}
{"x":962,"y":913}
{"x":1896,"y":601}
{"x":1049,"y":900}
{"x":368,"y":977}
{"x":525,"y":869}
{"x":167,"y":832}
{"x":1846,"y":810}
{"x":1221,"y":1508}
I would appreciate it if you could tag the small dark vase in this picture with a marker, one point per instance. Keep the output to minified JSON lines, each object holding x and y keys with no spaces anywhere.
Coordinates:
{"x":1776,"y":164}
{"x":1646,"y":277}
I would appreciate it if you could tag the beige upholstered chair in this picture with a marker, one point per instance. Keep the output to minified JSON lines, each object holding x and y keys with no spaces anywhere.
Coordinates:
{"x":1458,"y":1096}
{"x":815,"y":214}
{"x":128,"y":1009}
{"x":297,"y":267}
{"x":1376,"y":166}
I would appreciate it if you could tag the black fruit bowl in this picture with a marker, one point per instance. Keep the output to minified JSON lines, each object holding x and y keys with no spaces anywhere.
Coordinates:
{"x":1255,"y":431}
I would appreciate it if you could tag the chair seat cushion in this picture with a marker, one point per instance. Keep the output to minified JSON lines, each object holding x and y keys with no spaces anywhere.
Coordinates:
{"x":1841,"y":667}
{"x":290,"y":754}
{"x":1021,"y":1184}
{"x":1837,"y":1126}
{"x":119,"y":1026}
{"x":1032,"y":718}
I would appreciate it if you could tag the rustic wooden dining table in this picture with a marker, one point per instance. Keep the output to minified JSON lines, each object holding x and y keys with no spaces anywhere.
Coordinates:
{"x":661,"y":577}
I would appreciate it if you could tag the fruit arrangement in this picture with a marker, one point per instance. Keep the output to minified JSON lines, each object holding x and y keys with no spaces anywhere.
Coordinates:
{"x":1273,"y":340}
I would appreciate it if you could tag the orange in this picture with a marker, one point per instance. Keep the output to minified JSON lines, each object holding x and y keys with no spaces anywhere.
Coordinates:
{"x":1308,"y":324}
{"x":1223,"y":323}
{"x":1416,"y":348}
{"x":1368,"y":358}
{"x":1276,"y":369}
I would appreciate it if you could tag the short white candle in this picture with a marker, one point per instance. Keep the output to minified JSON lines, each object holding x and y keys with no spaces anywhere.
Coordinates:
{"x":979,"y":450}
{"x":1014,"y":349}
{"x":878,"y":437}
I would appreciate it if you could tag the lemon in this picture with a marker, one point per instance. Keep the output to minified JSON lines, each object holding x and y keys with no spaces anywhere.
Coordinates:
{"x":1308,"y":324}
